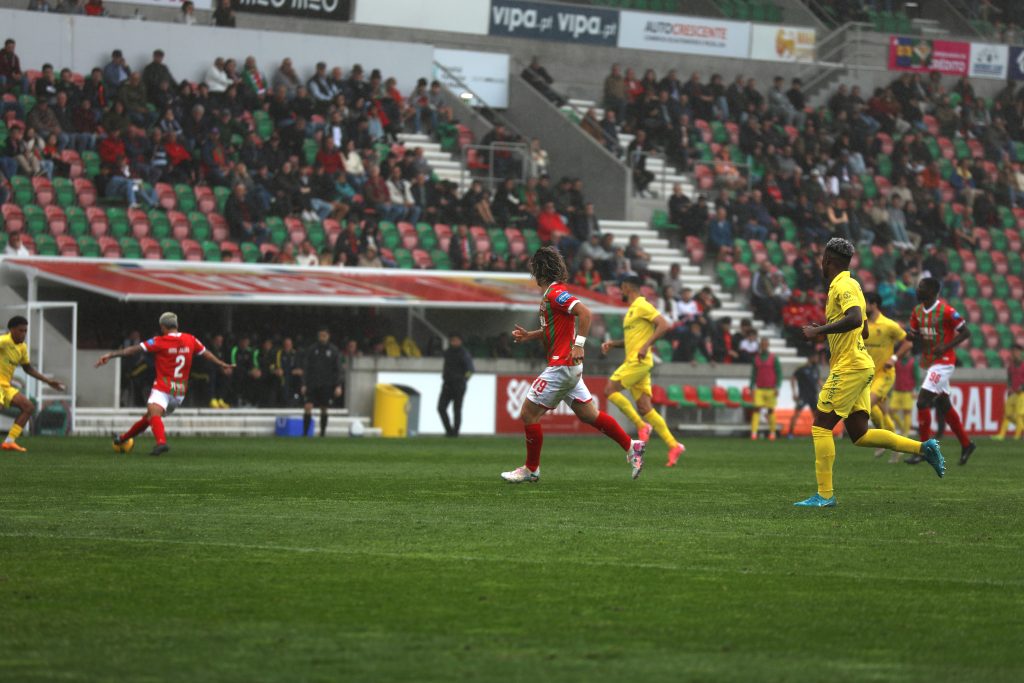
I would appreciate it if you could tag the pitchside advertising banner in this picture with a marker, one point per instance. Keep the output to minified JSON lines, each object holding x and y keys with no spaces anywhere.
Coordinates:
{"x":782,"y":43}
{"x":563,"y":23}
{"x":685,"y":35}
{"x":336,"y":10}
{"x":1016,"y":63}
{"x":989,"y":61}
{"x":923,"y":55}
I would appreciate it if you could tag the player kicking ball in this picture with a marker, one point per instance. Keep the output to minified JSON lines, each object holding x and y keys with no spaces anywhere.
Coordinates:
{"x":14,"y":353}
{"x":846,"y":394}
{"x":564,"y":324}
{"x":172,"y":352}
{"x":642,"y":326}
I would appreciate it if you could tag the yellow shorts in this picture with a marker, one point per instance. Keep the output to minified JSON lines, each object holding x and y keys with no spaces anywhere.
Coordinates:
{"x":765,"y":398}
{"x":1014,"y":406}
{"x":7,"y":394}
{"x":881,"y":385}
{"x":845,"y":393}
{"x":634,"y":376}
{"x":901,"y":400}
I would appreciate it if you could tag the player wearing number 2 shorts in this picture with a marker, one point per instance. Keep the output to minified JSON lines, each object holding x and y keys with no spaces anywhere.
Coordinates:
{"x":940,"y":329}
{"x":564,"y":323}
{"x":173,"y":352}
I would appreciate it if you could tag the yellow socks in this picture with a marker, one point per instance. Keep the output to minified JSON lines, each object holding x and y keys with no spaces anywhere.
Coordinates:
{"x":824,"y":457}
{"x":619,"y":400}
{"x":658,"y":422}
{"x":880,"y":438}
{"x":1003,"y":426}
{"x":755,"y":421}
{"x":14,"y":433}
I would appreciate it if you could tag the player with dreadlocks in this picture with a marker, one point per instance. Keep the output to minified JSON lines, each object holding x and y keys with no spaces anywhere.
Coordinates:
{"x":846,"y":395}
{"x":564,"y":324}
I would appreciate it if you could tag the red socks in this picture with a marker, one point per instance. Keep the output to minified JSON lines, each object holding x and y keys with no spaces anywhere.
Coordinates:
{"x":954,"y":423}
{"x":607,"y":425}
{"x":136,"y":429}
{"x":924,"y":423}
{"x":157,"y":423}
{"x":534,"y":442}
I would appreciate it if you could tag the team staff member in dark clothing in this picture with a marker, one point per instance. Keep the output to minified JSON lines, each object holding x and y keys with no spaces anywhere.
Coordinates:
{"x":269,"y":386}
{"x":806,"y":381}
{"x":458,"y":366}
{"x":247,"y":373}
{"x":289,"y":371}
{"x":321,"y":375}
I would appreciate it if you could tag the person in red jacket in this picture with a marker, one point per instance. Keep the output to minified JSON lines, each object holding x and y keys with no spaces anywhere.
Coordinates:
{"x":111,"y":148}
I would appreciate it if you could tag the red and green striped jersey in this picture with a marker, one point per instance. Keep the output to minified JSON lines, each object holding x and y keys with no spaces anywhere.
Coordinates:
{"x":936,"y":325}
{"x":558,"y":323}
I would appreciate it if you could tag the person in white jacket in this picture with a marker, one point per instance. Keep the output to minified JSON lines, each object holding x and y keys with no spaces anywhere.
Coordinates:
{"x":217,"y":79}
{"x":398,"y":191}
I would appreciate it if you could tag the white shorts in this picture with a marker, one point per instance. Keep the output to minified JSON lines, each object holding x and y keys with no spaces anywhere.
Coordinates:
{"x":166,"y":401}
{"x":936,"y":380}
{"x":559,"y":383}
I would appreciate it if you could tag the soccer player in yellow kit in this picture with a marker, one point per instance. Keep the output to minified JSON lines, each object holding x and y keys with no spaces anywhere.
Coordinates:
{"x":883,"y":336}
{"x":846,"y":393}
{"x":14,"y":354}
{"x":643,"y":326}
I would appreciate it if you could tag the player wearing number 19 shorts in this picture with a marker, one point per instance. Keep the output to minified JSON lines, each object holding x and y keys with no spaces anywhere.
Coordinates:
{"x":172,"y":352}
{"x":564,"y":323}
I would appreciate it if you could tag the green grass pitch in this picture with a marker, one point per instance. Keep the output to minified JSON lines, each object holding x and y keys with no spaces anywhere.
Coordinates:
{"x":371,"y":560}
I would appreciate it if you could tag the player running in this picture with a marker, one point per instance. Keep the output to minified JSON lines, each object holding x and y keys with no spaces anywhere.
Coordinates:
{"x":642,"y":326}
{"x":846,"y":393}
{"x":1013,"y":409}
{"x":173,"y":352}
{"x":883,"y":336}
{"x":564,"y":324}
{"x":805,"y":382}
{"x":940,"y":329}
{"x":765,"y":380}
{"x":14,"y":353}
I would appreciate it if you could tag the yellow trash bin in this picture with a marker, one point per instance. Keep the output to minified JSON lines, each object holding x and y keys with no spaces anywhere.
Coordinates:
{"x":391,"y":411}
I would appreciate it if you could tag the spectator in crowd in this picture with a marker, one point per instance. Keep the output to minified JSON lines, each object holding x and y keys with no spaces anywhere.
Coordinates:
{"x":115,"y":72}
{"x":538,"y":77}
{"x":461,"y":249}
{"x":10,"y":68}
{"x":243,"y":218}
{"x":720,"y":235}
{"x":187,"y":15}
{"x":15,"y":247}
{"x":224,"y":15}
{"x":155,"y":73}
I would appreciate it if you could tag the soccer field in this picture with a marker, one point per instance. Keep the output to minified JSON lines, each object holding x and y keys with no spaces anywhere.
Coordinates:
{"x":373,"y":560}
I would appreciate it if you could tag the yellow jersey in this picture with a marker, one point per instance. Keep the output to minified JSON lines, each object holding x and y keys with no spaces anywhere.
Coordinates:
{"x":883,"y":336}
{"x":848,"y":350}
{"x":11,"y":356}
{"x":638,"y":328}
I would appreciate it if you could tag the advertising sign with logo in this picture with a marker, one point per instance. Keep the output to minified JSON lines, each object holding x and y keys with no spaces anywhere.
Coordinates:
{"x":989,"y":61}
{"x":685,"y":35}
{"x":563,"y":23}
{"x":1016,"y":63}
{"x":923,"y":56}
{"x":782,"y":43}
{"x":512,"y":391}
{"x":337,"y":10}
{"x":980,"y":405}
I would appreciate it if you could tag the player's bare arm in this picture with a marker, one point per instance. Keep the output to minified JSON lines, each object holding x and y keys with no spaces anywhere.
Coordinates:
{"x":963,"y":335}
{"x":211,"y":356}
{"x":32,"y":372}
{"x":853,"y":319}
{"x":612,"y":344}
{"x":903,"y":349}
{"x":120,"y":353}
{"x":661,"y":328}
{"x":583,"y":317}
{"x":520,"y":335}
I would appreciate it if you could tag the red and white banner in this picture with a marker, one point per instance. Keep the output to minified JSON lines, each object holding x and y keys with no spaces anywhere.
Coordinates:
{"x":267,"y":284}
{"x":512,"y":391}
{"x":980,"y":405}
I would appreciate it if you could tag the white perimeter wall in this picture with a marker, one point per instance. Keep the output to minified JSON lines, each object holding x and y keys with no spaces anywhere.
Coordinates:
{"x":80,"y":43}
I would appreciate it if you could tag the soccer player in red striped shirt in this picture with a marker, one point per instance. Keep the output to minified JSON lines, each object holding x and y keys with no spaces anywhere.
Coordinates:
{"x":564,"y":324}
{"x":940,"y":329}
{"x":172,"y":352}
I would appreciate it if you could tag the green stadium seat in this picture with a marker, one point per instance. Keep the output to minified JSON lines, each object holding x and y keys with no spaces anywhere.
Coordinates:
{"x":404,"y":259}
{"x":77,"y":223}
{"x":186,"y":197}
{"x":87,"y":246}
{"x":278,"y":233}
{"x":993,"y":359}
{"x":250,"y":252}
{"x":727,"y":276}
{"x":211,"y":251}
{"x":659,"y":221}
{"x":46,"y":245}
{"x":316,"y":235}
{"x":675,"y":393}
{"x":91,"y":162}
{"x":65,"y":192}
{"x":171,"y":249}
{"x":963,"y":358}
{"x":663,"y":348}
{"x":789,"y":229}
{"x":221,"y":194}
{"x":201,"y":230}
{"x":129,"y":247}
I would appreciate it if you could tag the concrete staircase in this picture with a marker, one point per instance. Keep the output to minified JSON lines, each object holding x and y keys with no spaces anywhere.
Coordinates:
{"x":446,"y":166}
{"x":663,"y":256}
{"x":665,"y":175}
{"x":255,"y":422}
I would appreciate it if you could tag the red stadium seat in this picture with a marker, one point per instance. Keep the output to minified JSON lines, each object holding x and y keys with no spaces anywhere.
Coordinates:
{"x":660,"y":398}
{"x":721,"y":395}
{"x":150,"y":247}
{"x":74,"y":162}
{"x":206,"y":201}
{"x":43,"y":188}
{"x":109,"y":247}
{"x":14,"y":218}
{"x":67,"y":245}
{"x":695,"y":249}
{"x":98,"y":223}
{"x":56,"y":219}
{"x":978,"y":358}
{"x":192,"y":250}
{"x":218,"y":227}
{"x":268,"y":248}
{"x":422,"y":259}
{"x":690,"y":394}
{"x":1016,"y":287}
{"x":85,"y":191}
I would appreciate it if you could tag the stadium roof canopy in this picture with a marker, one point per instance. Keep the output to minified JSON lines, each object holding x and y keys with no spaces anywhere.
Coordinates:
{"x":240,"y":283}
